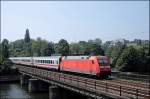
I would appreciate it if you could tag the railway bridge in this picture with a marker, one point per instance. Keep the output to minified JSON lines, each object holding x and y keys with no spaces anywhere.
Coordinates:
{"x":92,"y":88}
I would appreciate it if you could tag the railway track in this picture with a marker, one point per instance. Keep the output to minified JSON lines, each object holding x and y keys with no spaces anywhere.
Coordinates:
{"x":129,"y":83}
{"x":120,"y":88}
{"x":131,"y":76}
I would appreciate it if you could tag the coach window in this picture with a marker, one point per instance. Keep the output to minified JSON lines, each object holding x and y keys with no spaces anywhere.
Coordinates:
{"x":48,"y":61}
{"x":57,"y":62}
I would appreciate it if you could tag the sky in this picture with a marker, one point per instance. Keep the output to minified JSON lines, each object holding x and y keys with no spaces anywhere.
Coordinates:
{"x":75,"y":20}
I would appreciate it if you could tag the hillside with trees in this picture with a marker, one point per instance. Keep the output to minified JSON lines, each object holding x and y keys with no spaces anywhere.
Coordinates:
{"x":125,"y":55}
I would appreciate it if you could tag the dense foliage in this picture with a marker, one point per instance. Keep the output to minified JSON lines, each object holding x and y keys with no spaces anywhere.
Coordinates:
{"x":125,"y":55}
{"x":62,"y":47}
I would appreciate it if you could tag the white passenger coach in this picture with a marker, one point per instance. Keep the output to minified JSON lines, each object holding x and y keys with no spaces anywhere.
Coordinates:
{"x":51,"y":62}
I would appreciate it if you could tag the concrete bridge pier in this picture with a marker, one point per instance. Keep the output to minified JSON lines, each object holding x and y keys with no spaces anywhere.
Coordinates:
{"x":89,"y":98}
{"x":23,"y":79}
{"x":43,"y":86}
{"x":54,"y":92}
{"x":35,"y":85}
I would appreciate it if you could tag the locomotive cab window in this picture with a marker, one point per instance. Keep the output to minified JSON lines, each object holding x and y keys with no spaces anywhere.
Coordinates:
{"x":103,"y":62}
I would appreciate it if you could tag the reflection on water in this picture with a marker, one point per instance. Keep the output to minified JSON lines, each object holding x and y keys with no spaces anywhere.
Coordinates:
{"x":15,"y":91}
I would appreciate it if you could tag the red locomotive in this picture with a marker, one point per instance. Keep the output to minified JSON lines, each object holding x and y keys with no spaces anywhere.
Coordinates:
{"x":93,"y":65}
{"x":97,"y":66}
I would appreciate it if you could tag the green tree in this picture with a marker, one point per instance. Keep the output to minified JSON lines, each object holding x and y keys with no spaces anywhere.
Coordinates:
{"x":27,"y":36}
{"x":27,"y":44}
{"x":75,"y":48}
{"x":0,"y":53}
{"x":17,"y":48}
{"x":63,"y":47}
{"x":117,"y":50}
{"x":98,"y":41}
{"x":83,"y":47}
{"x":48,"y":49}
{"x":130,"y":59}
{"x":37,"y":45}
{"x":5,"y":48}
{"x":94,"y":49}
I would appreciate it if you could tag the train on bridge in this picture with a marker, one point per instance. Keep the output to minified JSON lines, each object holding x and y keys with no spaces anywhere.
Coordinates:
{"x":97,"y":66}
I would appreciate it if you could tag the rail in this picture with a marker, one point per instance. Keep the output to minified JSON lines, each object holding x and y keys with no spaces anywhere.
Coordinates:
{"x":131,"y":76}
{"x":111,"y":87}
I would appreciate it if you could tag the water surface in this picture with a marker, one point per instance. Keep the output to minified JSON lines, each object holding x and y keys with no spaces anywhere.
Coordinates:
{"x":16,"y":91}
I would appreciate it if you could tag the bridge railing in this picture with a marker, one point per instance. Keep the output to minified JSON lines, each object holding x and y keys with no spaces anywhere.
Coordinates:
{"x":92,"y":85}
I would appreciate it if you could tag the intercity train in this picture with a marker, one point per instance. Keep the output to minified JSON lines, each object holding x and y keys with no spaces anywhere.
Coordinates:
{"x":97,"y":66}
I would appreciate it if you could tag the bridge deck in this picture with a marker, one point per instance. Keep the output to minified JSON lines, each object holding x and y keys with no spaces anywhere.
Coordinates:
{"x":90,"y":87}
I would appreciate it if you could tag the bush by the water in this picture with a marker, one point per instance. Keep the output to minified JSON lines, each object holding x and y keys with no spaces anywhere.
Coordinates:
{"x":7,"y":68}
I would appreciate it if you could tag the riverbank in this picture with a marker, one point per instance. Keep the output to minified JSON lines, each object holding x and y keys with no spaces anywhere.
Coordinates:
{"x":9,"y":78}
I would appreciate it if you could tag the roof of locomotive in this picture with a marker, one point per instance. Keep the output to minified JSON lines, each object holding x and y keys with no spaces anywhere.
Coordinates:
{"x":76,"y":57}
{"x":84,"y":57}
